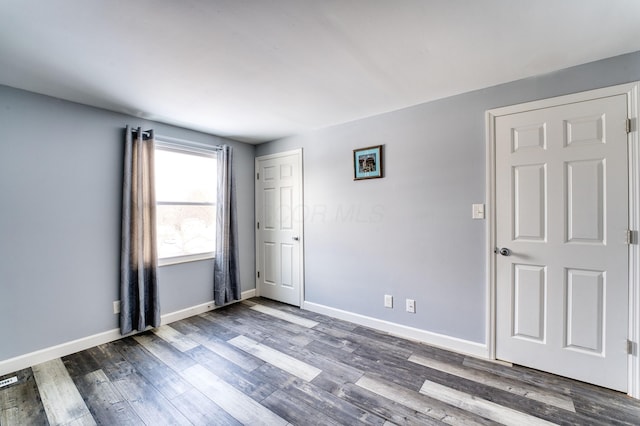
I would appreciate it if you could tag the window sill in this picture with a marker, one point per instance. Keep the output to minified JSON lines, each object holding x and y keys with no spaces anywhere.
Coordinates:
{"x":185,"y":259}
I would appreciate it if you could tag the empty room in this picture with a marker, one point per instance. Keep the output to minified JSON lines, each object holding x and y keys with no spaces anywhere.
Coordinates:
{"x":306,"y":212}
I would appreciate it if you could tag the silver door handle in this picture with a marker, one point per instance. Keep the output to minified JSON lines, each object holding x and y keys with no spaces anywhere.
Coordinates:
{"x":503,"y":251}
{"x":296,"y":238}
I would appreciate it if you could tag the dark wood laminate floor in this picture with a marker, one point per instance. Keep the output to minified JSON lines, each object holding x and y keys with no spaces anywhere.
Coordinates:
{"x":261,"y":362}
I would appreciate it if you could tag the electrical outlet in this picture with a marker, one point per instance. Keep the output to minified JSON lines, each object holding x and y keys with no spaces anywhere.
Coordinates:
{"x":388,"y":301}
{"x":411,"y":306}
{"x":116,"y":307}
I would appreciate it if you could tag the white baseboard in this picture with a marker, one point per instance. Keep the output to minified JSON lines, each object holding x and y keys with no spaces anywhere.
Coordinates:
{"x":248,"y":294}
{"x":47,"y":354}
{"x":455,"y":344}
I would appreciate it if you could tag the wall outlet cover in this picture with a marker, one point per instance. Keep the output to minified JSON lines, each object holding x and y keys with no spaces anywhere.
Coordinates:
{"x":388,"y":301}
{"x":411,"y":306}
{"x":477,"y":211}
{"x":116,"y":307}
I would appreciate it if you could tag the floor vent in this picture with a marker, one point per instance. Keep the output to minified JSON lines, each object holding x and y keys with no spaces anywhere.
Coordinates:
{"x":9,"y":381}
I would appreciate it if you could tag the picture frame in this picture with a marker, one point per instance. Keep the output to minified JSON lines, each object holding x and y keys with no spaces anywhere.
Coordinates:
{"x":368,"y":163}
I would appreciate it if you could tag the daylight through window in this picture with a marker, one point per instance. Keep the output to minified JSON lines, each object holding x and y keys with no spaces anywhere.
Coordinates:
{"x":185,"y":199}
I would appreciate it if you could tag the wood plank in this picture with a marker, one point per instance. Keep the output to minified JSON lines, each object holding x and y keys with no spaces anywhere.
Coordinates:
{"x":236,"y":326}
{"x":281,"y":360}
{"x":297,"y":412}
{"x":246,"y":382}
{"x":295,"y":319}
{"x":301,"y":312}
{"x":234,"y":402}
{"x":483,"y":408}
{"x":104,"y":401}
{"x":393,"y":370}
{"x":340,"y":410}
{"x":147,"y":402}
{"x":541,"y":379}
{"x":392,"y":411}
{"x":504,"y":398}
{"x":175,"y":338}
{"x":344,"y":412}
{"x":381,"y":341}
{"x":157,"y":373}
{"x":429,"y":406}
{"x":113,"y":363}
{"x":607,"y":409}
{"x":20,"y":403}
{"x":337,"y":337}
{"x":60,"y":397}
{"x":488,"y":379}
{"x":278,"y":378}
{"x":323,"y":361}
{"x":330,"y":383}
{"x":165,"y":352}
{"x":229,"y":352}
{"x":259,"y":327}
{"x":185,"y":326}
{"x":200,"y":410}
{"x":80,"y":364}
{"x":209,"y":325}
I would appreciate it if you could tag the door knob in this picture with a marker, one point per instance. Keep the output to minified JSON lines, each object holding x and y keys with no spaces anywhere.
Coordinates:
{"x":503,"y":251}
{"x":296,"y":238}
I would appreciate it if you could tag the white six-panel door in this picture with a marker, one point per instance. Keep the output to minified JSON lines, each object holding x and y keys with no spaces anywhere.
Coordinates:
{"x":562,"y":214}
{"x":279,"y":216}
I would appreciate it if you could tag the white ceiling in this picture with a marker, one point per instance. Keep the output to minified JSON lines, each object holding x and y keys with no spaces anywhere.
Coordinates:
{"x":257,"y":70}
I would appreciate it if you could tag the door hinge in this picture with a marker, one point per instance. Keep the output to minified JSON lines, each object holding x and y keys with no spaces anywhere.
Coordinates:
{"x":258,"y":174}
{"x":632,"y":237}
{"x":631,"y":347}
{"x":258,"y":274}
{"x":258,"y":225}
{"x":629,"y":125}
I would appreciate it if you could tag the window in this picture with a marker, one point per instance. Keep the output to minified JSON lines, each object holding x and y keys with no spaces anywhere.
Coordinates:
{"x":185,"y":200}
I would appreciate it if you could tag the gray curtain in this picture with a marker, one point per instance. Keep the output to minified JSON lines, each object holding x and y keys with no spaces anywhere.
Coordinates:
{"x":140,"y":305}
{"x":226,"y":275}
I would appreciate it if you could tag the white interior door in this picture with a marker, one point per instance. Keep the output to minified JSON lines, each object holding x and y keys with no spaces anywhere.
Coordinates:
{"x":279,"y":217}
{"x":562,"y":212}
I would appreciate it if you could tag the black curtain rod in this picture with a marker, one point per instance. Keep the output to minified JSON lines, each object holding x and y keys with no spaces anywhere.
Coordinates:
{"x":144,"y":132}
{"x":177,"y":141}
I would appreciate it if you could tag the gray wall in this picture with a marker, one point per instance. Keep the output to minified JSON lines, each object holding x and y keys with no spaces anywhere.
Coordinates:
{"x":60,"y":195}
{"x":411,"y":234}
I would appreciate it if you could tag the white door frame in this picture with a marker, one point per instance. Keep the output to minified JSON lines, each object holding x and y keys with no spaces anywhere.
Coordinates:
{"x":631,"y":91}
{"x":301,"y":212}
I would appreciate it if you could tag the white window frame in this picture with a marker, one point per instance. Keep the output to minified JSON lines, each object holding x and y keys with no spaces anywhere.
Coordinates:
{"x":191,"y":148}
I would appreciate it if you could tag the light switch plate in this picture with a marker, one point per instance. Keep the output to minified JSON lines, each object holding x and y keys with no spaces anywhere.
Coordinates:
{"x":477,"y":211}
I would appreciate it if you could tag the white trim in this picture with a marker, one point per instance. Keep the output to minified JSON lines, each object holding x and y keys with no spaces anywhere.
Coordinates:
{"x":490,"y":227}
{"x":634,"y":249}
{"x":631,"y":91}
{"x":434,"y":339}
{"x":187,"y":312}
{"x":299,"y":153}
{"x":47,"y":354}
{"x":176,"y":260}
{"x":279,"y":154}
{"x":248,"y":294}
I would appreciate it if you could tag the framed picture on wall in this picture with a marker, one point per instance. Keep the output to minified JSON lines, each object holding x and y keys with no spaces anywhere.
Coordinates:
{"x":367,"y":163}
